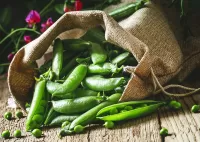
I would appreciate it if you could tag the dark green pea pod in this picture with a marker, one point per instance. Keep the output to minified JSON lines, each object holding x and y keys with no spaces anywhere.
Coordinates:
{"x":57,"y":121}
{"x":75,"y":106}
{"x":135,"y":113}
{"x":77,"y":45}
{"x":94,"y":35}
{"x":121,"y":105}
{"x":104,"y":68}
{"x":73,"y":81}
{"x":36,"y":108}
{"x":83,"y":60}
{"x":57,"y":62}
{"x":126,"y":10}
{"x":90,"y":116}
{"x":79,"y":92}
{"x":68,"y":67}
{"x":131,"y":61}
{"x":98,"y":83}
{"x":98,"y":54}
{"x":52,"y":86}
{"x":45,"y":67}
{"x":112,"y":54}
{"x":51,"y":115}
{"x":120,"y":59}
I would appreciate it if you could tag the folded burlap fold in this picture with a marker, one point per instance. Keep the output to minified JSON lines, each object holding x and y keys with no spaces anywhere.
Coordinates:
{"x":146,"y":34}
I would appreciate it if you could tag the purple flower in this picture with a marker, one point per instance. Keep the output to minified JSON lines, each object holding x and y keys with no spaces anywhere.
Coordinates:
{"x":46,"y":25}
{"x":32,"y":18}
{"x":27,"y":39}
{"x":10,"y":56}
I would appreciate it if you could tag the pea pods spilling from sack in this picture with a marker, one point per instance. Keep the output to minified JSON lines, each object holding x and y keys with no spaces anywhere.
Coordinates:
{"x":85,"y":79}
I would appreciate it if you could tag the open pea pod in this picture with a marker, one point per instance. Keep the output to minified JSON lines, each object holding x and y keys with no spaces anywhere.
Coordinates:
{"x":121,"y":105}
{"x":134,"y":113}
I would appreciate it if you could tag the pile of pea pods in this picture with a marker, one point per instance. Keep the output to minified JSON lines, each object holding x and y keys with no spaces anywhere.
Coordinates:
{"x":81,"y":85}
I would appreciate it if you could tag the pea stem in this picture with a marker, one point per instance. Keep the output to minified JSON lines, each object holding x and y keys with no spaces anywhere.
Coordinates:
{"x":17,"y":30}
{"x":5,"y":64}
{"x":46,"y":7}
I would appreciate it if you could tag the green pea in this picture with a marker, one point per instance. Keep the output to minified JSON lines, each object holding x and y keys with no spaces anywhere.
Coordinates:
{"x":163,"y":132}
{"x":78,"y":128}
{"x":195,"y":108}
{"x":128,"y":108}
{"x":109,"y":124}
{"x":64,"y":124}
{"x":175,"y":105}
{"x":27,"y":105}
{"x":8,"y":115}
{"x":17,"y":133}
{"x":18,"y":114}
{"x":37,"y":133}
{"x":37,"y":118}
{"x":5,"y":134}
{"x":40,"y":110}
{"x":113,"y":111}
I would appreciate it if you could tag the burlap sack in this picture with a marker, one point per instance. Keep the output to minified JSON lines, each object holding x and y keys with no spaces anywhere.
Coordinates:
{"x":145,"y":34}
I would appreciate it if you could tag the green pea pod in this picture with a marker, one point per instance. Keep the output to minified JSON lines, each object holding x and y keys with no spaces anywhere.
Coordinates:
{"x":98,"y":83}
{"x":52,"y":86}
{"x":66,"y":69}
{"x":79,"y":92}
{"x":126,"y":10}
{"x":37,"y":107}
{"x":94,"y":35}
{"x":57,"y":62}
{"x":73,"y":81}
{"x":83,"y":60}
{"x":57,"y":121}
{"x":45,"y":67}
{"x":77,"y":45}
{"x":121,"y":105}
{"x":90,"y":116}
{"x":104,"y":68}
{"x":120,"y":59}
{"x":51,"y":115}
{"x":135,"y":113}
{"x":75,"y":106}
{"x":98,"y":54}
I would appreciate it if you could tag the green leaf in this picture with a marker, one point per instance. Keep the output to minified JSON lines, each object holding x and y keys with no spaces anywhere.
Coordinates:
{"x":5,"y":15}
{"x":59,"y":8}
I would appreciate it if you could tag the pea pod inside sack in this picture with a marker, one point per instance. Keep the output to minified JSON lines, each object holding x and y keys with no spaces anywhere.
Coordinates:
{"x":73,"y":80}
{"x":98,"y":53}
{"x":104,"y":68}
{"x":77,"y":45}
{"x":139,"y":109}
{"x":39,"y":105}
{"x":99,"y":83}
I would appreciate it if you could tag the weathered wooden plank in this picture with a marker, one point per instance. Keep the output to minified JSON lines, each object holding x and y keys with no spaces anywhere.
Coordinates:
{"x":143,"y":130}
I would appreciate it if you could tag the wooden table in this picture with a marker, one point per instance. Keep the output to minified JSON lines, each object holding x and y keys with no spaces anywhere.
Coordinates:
{"x":183,"y":126}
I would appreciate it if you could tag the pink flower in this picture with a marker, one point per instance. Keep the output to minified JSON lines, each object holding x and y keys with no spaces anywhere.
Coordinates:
{"x":46,"y":25}
{"x":68,"y":6}
{"x":78,"y":5}
{"x":32,"y":18}
{"x":27,"y":39}
{"x":10,"y":56}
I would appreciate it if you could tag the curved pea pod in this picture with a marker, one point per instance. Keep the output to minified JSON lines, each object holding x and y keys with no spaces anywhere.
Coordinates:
{"x":120,"y":59}
{"x":90,"y":116}
{"x":52,"y":86}
{"x":74,"y":106}
{"x":83,"y":60}
{"x":131,"y":114}
{"x":67,"y":68}
{"x":77,"y":45}
{"x":38,"y":107}
{"x":103,"y":69}
{"x":122,"y":105}
{"x":73,"y":80}
{"x":57,"y":121}
{"x":57,"y":62}
{"x":98,"y":83}
{"x":98,"y":54}
{"x":51,"y":115}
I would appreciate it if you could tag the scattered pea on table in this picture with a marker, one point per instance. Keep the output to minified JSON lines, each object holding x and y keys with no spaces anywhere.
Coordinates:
{"x":195,"y":108}
{"x":37,"y":133}
{"x":109,"y":124}
{"x":175,"y":105}
{"x":17,"y":133}
{"x":18,"y":114}
{"x":163,"y":132}
{"x":8,"y":115}
{"x":5,"y":134}
{"x":78,"y":129}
